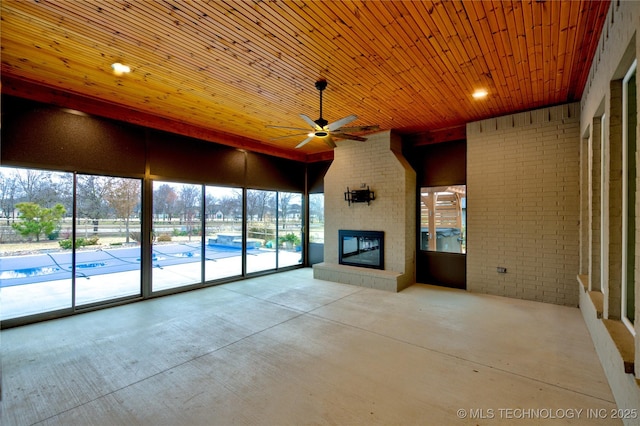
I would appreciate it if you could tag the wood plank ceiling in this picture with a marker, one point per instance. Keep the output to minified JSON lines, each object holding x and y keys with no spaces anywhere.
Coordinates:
{"x":224,"y":70}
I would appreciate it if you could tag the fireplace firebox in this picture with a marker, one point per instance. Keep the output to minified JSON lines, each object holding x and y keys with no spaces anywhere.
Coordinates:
{"x":361,"y":248}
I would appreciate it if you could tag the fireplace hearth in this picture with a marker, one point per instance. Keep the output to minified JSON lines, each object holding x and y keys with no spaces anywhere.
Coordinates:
{"x":361,"y":248}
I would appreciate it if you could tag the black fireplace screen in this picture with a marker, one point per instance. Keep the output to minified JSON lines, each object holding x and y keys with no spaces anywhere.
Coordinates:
{"x":361,"y":248}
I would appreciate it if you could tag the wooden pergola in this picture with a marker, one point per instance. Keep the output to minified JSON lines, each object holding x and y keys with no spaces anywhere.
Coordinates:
{"x":441,"y":207}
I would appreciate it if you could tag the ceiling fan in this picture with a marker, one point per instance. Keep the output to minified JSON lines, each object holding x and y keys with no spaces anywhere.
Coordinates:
{"x":321,"y":128}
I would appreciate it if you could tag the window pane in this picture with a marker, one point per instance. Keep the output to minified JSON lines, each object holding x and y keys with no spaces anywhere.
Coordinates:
{"x":289,"y":229}
{"x":107,"y":238}
{"x":629,"y":203}
{"x":261,"y":230}
{"x":177,"y":243}
{"x":223,"y":250}
{"x":316,"y":228}
{"x":35,"y":265}
{"x":443,"y":219}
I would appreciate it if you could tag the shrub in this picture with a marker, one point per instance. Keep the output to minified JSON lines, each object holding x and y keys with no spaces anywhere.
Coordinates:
{"x":90,"y":241}
{"x":292,"y":238}
{"x":164,"y":238}
{"x":185,"y":232}
{"x":80,"y":242}
{"x":66,"y":243}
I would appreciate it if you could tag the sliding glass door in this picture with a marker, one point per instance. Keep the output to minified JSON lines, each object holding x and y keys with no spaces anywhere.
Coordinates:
{"x":75,"y":240}
{"x":35,"y":266}
{"x":54,"y":260}
{"x":177,"y":235}
{"x":261,"y":217}
{"x":289,"y":229}
{"x":107,"y":245}
{"x":223,"y":232}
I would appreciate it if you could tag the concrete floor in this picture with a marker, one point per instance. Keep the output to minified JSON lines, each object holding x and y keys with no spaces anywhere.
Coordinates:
{"x":286,"y":349}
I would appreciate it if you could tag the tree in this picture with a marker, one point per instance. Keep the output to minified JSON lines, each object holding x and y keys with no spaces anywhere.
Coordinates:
{"x":92,"y":191}
{"x":258,"y":202}
{"x":316,"y":207}
{"x":212,"y":206}
{"x":123,"y":196}
{"x":41,"y":187}
{"x":284,"y":205}
{"x":164,"y":202}
{"x":231,"y":205}
{"x":37,"y":220}
{"x":35,"y":185}
{"x":8,"y":189}
{"x":190,"y":202}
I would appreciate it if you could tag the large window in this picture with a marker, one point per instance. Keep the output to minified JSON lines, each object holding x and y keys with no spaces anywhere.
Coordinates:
{"x":316,"y":218}
{"x":261,"y":217}
{"x":629,"y":126}
{"x":177,"y":235}
{"x":35,"y":269}
{"x":52,"y":260}
{"x":107,"y":255}
{"x":604,"y":206}
{"x":72,"y":241}
{"x":443,"y":219}
{"x":223,"y":233}
{"x":289,"y":229}
{"x":274,"y":230}
{"x":316,"y":228}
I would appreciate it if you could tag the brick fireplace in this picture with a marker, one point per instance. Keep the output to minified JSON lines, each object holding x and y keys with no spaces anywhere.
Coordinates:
{"x":379,"y":165}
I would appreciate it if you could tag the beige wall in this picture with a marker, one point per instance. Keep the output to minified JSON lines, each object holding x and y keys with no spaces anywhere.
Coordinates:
{"x":523,"y":205}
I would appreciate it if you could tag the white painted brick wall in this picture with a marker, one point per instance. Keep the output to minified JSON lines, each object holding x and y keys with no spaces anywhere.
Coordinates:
{"x":523,"y":173}
{"x":601,"y":95}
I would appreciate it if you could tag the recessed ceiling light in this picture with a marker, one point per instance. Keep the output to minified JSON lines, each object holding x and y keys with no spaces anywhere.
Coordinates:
{"x":480,"y":93}
{"x":75,"y":112}
{"x":119,"y":69}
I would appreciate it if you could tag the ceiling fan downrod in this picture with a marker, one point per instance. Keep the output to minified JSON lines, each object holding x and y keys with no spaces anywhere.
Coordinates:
{"x":321,"y":85}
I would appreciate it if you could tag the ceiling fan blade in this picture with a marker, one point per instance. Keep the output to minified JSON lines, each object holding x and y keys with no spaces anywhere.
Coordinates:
{"x":329,"y":141}
{"x":348,"y":136}
{"x":285,"y":127}
{"x":304,"y":142}
{"x":359,"y":129}
{"x":309,"y":121}
{"x":342,"y":122}
{"x":289,"y":136}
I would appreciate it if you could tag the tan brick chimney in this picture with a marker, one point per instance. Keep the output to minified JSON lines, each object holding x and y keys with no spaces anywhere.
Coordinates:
{"x":377,"y":163}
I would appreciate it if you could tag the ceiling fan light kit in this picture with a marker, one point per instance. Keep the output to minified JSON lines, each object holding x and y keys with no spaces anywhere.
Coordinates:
{"x":321,"y":128}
